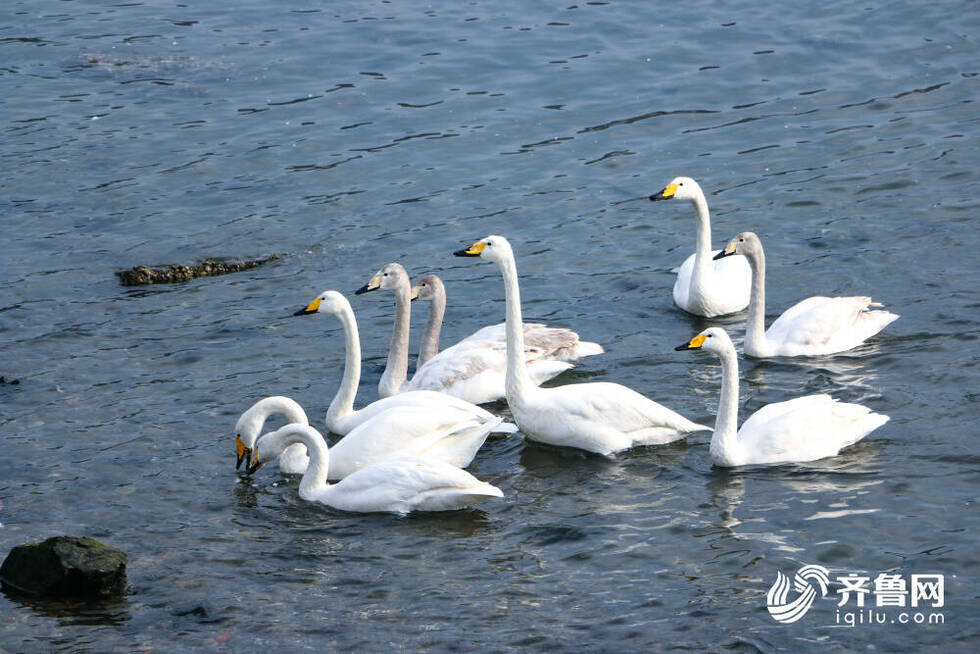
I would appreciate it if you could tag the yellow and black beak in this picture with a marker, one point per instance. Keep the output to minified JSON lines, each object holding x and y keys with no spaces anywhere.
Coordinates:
{"x":255,"y":464}
{"x":666,"y":194}
{"x":373,"y":284}
{"x":472,"y":251}
{"x":312,"y":307}
{"x":244,"y":453}
{"x":693,"y":344}
{"x":416,"y":290}
{"x":727,"y":252}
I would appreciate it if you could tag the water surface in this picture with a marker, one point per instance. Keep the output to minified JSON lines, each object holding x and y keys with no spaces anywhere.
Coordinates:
{"x":345,"y":135}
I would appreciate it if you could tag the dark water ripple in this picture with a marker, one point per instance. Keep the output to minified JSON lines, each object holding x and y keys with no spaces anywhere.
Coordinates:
{"x":347,"y":135}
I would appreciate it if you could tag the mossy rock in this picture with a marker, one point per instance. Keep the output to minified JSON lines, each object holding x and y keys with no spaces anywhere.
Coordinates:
{"x":65,"y":567}
{"x":142,"y":275}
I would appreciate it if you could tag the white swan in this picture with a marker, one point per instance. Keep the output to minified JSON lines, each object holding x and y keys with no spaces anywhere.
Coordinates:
{"x":472,"y":370}
{"x":550,"y":342}
{"x":398,"y":485}
{"x":341,"y":416}
{"x":817,"y":325}
{"x":293,"y":460}
{"x":803,"y":429}
{"x":600,"y":417}
{"x":705,"y":287}
{"x":430,"y":432}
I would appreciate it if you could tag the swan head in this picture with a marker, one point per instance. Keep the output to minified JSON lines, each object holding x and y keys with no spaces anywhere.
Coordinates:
{"x":272,"y":444}
{"x":713,"y":339}
{"x":330,"y":302}
{"x":680,"y":188}
{"x":390,"y":277}
{"x":429,"y":288}
{"x":746,"y":243}
{"x":246,"y":432}
{"x":492,"y":248}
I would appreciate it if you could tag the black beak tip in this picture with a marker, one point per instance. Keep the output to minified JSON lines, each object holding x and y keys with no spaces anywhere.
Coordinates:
{"x":683,"y":346}
{"x":364,"y":289}
{"x":721,"y":255}
{"x":302,"y":312}
{"x":655,"y":197}
{"x":244,"y":456}
{"x":460,"y":253}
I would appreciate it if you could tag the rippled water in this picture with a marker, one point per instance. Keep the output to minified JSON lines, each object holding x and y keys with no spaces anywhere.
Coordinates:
{"x":344,"y":135}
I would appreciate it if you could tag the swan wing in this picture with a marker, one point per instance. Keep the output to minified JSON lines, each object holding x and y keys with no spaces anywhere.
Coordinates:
{"x":821,"y":325}
{"x":432,"y":400}
{"x":543,"y":341}
{"x":406,"y":484}
{"x":447,"y":434}
{"x":617,"y":406}
{"x":476,"y":371}
{"x":804,"y":429}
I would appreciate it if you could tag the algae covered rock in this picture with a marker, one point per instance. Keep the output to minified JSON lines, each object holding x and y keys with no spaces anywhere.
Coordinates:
{"x":65,"y":566}
{"x":141,"y":275}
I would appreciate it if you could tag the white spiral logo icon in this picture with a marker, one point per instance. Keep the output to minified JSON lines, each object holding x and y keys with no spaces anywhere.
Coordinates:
{"x":784,"y":612}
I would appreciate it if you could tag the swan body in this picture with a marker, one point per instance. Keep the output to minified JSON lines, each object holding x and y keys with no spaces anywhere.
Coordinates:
{"x":815,"y":326}
{"x":293,"y":459}
{"x":342,"y":418}
{"x":472,"y":370}
{"x":395,"y":485}
{"x":706,"y":287}
{"x":544,"y":342}
{"x":599,"y":417}
{"x":802,"y":429}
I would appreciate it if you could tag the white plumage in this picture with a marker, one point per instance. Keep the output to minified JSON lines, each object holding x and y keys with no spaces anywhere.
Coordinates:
{"x":395,"y":485}
{"x":293,"y":459}
{"x":341,"y":416}
{"x":802,"y":429}
{"x":815,"y":326}
{"x":473,"y":369}
{"x":706,"y":287}
{"x":599,"y":417}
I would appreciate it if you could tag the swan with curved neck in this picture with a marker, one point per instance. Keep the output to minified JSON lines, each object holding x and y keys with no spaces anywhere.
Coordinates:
{"x":395,"y":485}
{"x":293,"y":459}
{"x":814,"y":326}
{"x":341,"y":416}
{"x":599,"y":417}
{"x":802,"y":429}
{"x":472,"y":370}
{"x":705,"y":287}
{"x":544,"y":342}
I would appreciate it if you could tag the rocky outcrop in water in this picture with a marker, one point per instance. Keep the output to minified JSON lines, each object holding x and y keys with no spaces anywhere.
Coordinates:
{"x":65,"y":567}
{"x":141,"y":275}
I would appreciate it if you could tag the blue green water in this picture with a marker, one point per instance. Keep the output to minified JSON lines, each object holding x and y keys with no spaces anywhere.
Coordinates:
{"x":344,"y":135}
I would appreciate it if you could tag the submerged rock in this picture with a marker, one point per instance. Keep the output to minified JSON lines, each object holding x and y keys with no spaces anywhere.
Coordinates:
{"x":141,"y":275}
{"x":65,"y":566}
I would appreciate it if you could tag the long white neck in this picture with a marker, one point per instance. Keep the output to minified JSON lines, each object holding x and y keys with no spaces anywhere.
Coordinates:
{"x":430,"y":339}
{"x":755,"y":324}
{"x":396,"y":370}
{"x":314,"y":480}
{"x":517,"y":381}
{"x":702,"y":252}
{"x":342,"y":404}
{"x":250,"y":423}
{"x":724,"y":440}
